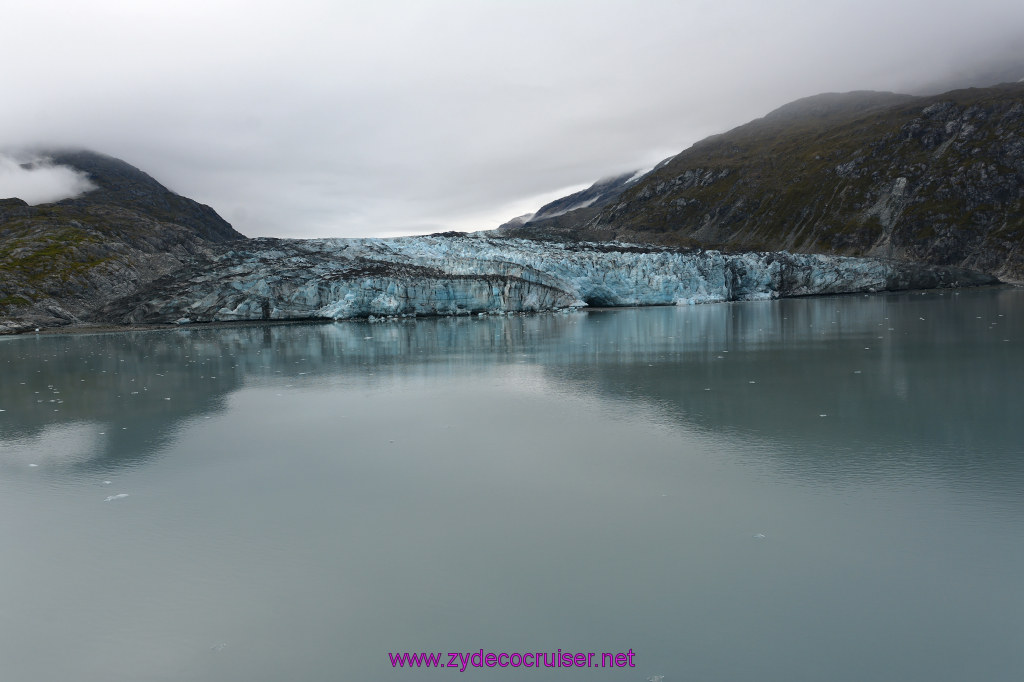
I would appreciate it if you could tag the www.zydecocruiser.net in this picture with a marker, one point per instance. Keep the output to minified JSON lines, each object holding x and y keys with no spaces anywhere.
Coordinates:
{"x":462,"y":661}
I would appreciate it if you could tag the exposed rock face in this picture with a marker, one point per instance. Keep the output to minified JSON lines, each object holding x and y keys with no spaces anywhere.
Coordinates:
{"x":267,"y":279}
{"x":936,"y":179}
{"x":59,"y":262}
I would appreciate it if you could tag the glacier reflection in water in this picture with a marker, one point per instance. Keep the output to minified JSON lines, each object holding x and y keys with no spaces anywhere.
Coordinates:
{"x":821,"y":488}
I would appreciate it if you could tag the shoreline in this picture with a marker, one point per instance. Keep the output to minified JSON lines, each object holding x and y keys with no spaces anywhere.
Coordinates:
{"x":110,"y":328}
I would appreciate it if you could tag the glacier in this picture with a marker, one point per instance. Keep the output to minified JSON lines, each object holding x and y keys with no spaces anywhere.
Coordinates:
{"x":462,"y":274}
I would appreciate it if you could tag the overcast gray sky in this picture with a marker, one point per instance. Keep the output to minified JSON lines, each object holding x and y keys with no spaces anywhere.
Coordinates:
{"x":335,"y":118}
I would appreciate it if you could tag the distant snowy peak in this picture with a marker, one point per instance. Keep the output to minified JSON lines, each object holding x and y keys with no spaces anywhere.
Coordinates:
{"x":551,"y":213}
{"x":598,"y":195}
{"x":521,"y":220}
{"x":602,"y":193}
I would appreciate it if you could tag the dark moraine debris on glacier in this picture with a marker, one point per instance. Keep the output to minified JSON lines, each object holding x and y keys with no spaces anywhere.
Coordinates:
{"x":274,"y":279}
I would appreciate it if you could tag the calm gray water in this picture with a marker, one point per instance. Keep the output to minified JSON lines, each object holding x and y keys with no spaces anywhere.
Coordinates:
{"x":817,"y":489}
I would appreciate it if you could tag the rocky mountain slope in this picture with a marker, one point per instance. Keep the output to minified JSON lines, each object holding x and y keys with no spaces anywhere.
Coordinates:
{"x":936,"y":179}
{"x":59,"y":262}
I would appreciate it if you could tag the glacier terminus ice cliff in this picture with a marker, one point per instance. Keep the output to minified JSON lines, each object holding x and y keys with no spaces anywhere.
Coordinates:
{"x":273,"y":279}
